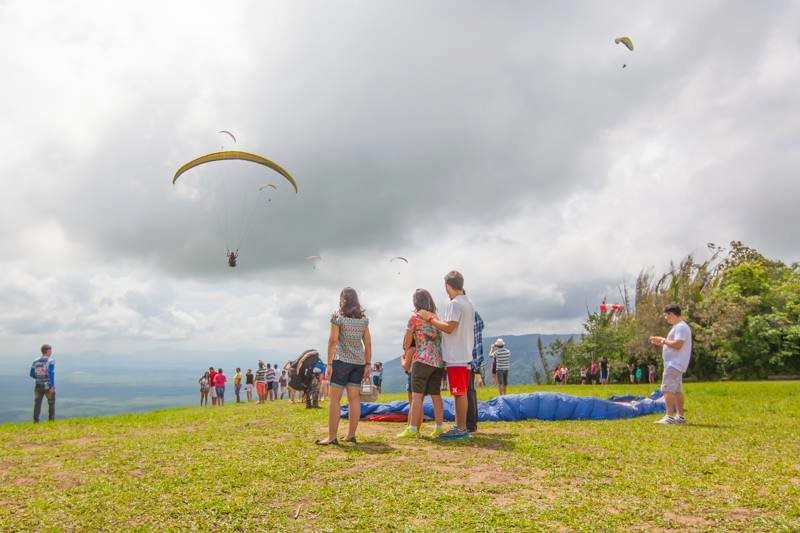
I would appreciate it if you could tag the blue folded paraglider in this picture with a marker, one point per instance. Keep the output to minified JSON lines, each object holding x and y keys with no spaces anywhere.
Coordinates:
{"x":535,"y":405}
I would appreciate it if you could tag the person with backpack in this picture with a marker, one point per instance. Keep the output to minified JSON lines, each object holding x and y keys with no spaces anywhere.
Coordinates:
{"x":204,"y":386}
{"x":349,"y":363}
{"x":43,"y":370}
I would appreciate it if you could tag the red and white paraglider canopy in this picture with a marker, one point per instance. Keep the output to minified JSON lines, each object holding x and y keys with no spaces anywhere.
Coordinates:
{"x":611,"y":307}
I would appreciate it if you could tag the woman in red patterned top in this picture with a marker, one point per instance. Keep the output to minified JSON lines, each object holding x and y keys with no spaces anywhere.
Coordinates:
{"x":427,"y":367}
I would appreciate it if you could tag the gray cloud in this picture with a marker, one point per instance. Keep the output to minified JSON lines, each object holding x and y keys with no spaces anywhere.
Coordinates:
{"x":509,"y":129}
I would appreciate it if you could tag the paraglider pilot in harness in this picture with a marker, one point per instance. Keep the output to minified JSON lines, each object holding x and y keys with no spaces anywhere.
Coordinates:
{"x":301,"y":373}
{"x":232,"y":256}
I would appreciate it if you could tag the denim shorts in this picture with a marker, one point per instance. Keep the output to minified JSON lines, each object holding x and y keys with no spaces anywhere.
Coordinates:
{"x":345,"y":374}
{"x":220,"y":392}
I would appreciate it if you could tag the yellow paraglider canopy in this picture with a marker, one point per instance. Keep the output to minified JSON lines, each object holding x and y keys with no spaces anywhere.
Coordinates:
{"x":233,"y":154}
{"x":626,"y":41}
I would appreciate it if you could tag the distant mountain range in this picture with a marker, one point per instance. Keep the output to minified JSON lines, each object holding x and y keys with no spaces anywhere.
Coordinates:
{"x":525,"y":360}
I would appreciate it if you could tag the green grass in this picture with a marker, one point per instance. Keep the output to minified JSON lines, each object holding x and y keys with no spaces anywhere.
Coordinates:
{"x":251,"y":467}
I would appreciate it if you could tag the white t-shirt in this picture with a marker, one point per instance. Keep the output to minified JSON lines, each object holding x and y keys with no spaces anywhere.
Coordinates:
{"x":678,"y":359}
{"x":457,"y":346}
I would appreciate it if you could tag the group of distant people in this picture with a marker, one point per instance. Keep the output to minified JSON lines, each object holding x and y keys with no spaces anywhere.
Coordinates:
{"x":267,"y":383}
{"x":595,"y":373}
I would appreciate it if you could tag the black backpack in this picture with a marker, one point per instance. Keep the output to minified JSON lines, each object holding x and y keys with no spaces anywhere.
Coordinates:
{"x":301,"y":379}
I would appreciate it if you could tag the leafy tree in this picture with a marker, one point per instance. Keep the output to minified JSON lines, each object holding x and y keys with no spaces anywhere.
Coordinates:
{"x":744,"y":310}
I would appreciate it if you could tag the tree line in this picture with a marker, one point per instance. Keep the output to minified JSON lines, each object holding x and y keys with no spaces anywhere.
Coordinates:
{"x":743,"y":308}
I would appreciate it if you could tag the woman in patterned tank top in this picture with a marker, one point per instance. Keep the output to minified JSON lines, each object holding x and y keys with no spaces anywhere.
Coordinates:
{"x":349,"y":362}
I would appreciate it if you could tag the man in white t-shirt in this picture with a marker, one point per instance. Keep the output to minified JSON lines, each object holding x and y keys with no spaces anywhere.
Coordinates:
{"x":458,"y":341}
{"x":676,"y":349}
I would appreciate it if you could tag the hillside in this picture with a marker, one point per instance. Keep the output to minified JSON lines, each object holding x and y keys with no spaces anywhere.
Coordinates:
{"x":524,"y":359}
{"x":250,"y":467}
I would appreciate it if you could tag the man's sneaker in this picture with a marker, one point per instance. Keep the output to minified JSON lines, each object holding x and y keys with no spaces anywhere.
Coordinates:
{"x":680,"y":419}
{"x":408,"y":433}
{"x":666,"y":421}
{"x":436,"y":432}
{"x":455,"y":433}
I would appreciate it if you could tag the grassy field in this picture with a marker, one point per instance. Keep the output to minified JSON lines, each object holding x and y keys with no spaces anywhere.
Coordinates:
{"x":249,"y":467}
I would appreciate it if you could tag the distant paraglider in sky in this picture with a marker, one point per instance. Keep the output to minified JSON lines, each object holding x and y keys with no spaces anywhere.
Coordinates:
{"x":268,"y":186}
{"x":626,"y":41}
{"x":628,"y":44}
{"x":398,"y":259}
{"x":229,"y":134}
{"x":313,"y":259}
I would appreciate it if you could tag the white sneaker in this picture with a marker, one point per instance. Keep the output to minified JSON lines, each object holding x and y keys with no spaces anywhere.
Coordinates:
{"x":666,"y":421}
{"x":680,"y":419}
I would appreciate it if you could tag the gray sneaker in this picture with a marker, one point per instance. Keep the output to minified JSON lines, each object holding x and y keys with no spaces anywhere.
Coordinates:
{"x":680,"y":419}
{"x":666,"y":421}
{"x":455,"y":433}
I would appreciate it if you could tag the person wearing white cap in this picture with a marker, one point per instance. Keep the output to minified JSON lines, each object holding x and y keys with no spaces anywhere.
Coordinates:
{"x":502,"y":358}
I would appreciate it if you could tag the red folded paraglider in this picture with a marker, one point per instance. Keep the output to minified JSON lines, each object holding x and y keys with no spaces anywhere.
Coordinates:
{"x":389,"y":417}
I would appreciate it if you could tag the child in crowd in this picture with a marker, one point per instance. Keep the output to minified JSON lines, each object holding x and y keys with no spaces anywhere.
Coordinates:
{"x":312,"y":396}
{"x":249,"y":383}
{"x":283,"y":382}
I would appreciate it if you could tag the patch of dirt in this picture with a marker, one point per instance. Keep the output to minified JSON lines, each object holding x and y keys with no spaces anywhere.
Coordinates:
{"x":525,"y":495}
{"x":31,"y":447}
{"x":136,"y":472}
{"x":478,"y":474}
{"x":81,"y":441}
{"x":21,"y":481}
{"x":795,"y":481}
{"x":686,"y":520}
{"x":741,"y":514}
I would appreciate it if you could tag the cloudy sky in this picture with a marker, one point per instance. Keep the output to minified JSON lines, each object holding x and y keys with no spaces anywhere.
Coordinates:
{"x":502,"y":139}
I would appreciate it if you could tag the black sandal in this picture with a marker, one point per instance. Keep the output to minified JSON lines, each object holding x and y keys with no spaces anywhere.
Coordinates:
{"x":351,"y":439}
{"x":335,"y":442}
